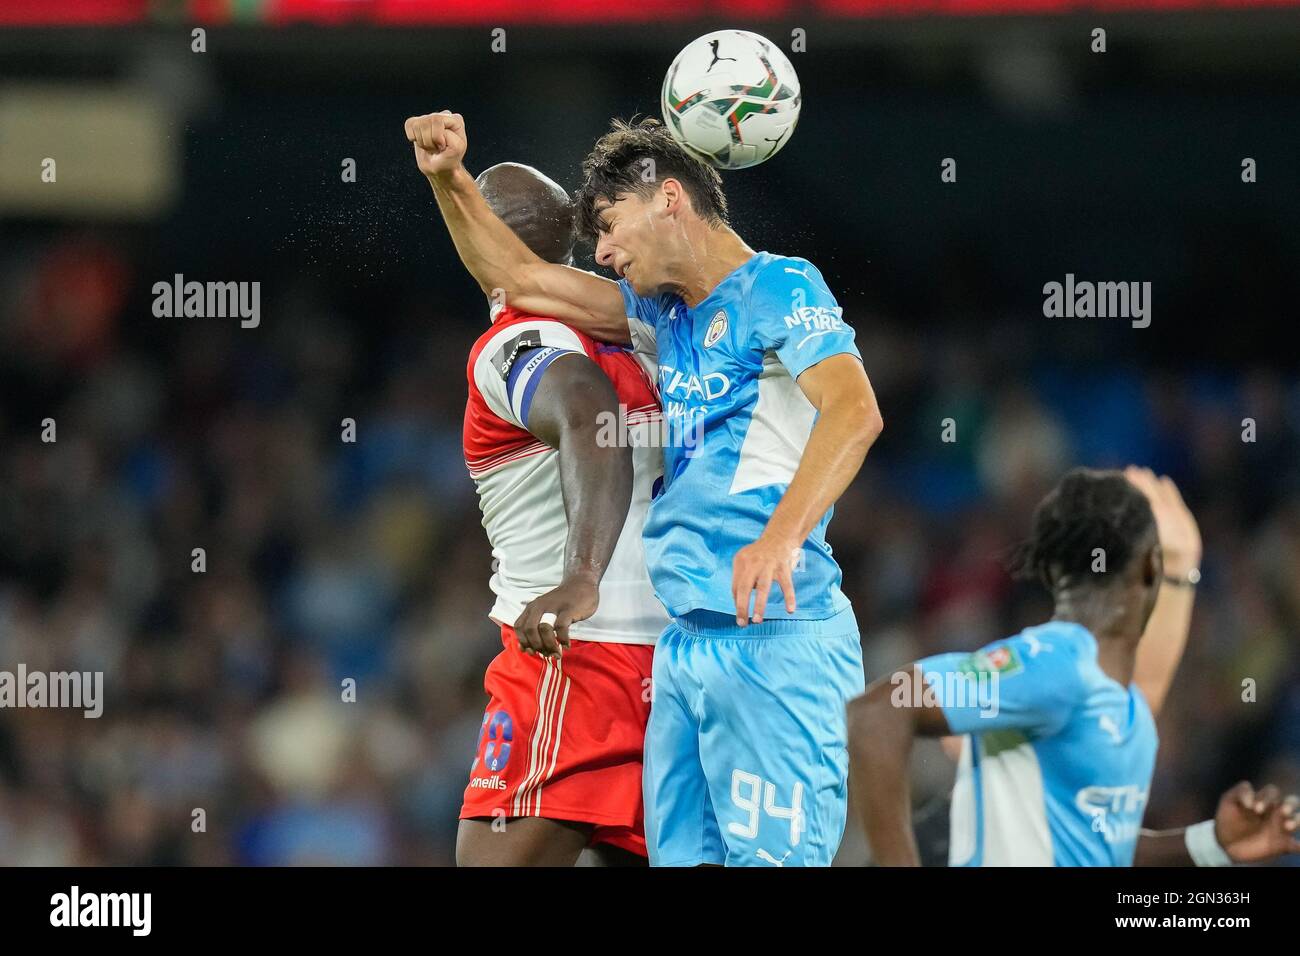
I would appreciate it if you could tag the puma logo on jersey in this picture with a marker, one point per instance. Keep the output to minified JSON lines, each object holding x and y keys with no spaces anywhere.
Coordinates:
{"x":769,"y":858}
{"x":1035,"y":645}
{"x":1107,"y":723}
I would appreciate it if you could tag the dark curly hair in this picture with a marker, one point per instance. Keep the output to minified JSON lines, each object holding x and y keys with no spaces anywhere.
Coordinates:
{"x":1088,"y":509}
{"x":616,"y":165}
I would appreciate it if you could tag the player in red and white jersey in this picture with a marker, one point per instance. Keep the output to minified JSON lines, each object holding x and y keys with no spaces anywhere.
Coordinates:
{"x":560,"y":440}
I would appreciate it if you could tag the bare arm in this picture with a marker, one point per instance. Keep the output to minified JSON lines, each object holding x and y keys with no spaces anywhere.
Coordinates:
{"x":1162,"y":848}
{"x":882,"y":727}
{"x":847,"y":424}
{"x":1163,"y":642}
{"x":1249,"y":826}
{"x":497,"y":259}
{"x":1165,"y":638}
{"x":570,"y":404}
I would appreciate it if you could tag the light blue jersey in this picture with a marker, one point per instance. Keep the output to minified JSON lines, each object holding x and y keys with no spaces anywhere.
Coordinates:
{"x":746,"y":757}
{"x":737,"y":425}
{"x":1058,"y":762}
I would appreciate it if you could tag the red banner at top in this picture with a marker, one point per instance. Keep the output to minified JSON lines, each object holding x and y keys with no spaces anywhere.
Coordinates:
{"x":496,"y":12}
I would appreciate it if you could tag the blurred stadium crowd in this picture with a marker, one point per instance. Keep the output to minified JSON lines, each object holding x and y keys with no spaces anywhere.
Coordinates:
{"x":328,"y":560}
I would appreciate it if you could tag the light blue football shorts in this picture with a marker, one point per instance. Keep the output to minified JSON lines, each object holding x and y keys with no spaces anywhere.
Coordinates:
{"x":746,"y":757}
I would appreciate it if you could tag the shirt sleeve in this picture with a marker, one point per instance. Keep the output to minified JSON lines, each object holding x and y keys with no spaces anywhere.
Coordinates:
{"x":1022,"y":684}
{"x":794,"y":314}
{"x":511,"y":366}
{"x":643,"y":317}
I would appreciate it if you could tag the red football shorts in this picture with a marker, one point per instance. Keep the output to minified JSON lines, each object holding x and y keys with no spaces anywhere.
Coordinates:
{"x":562,"y":739}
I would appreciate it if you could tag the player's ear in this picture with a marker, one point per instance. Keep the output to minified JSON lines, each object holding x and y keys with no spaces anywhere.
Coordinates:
{"x":672,"y":192}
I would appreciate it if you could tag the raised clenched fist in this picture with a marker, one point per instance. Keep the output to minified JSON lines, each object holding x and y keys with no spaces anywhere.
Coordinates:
{"x":439,"y":140}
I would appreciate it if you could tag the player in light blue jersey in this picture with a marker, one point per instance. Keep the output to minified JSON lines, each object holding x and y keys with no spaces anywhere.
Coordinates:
{"x":1058,"y":732}
{"x":769,"y":415}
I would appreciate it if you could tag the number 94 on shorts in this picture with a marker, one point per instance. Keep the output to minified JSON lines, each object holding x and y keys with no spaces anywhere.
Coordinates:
{"x":746,"y":760}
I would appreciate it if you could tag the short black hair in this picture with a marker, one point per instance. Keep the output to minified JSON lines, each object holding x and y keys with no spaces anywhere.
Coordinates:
{"x":535,"y":207}
{"x":616,"y":165}
{"x":1088,"y":509}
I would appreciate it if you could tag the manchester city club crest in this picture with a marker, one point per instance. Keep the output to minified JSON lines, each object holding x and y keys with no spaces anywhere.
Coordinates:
{"x":716,"y":328}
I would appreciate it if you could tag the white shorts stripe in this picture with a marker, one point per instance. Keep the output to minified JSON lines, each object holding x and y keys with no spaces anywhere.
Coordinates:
{"x":543,"y":691}
{"x":543,"y":736}
{"x":531,"y":806}
{"x":531,"y":801}
{"x":555,"y":751}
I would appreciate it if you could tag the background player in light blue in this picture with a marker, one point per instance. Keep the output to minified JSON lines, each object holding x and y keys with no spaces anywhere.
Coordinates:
{"x":1059,"y":738}
{"x":746,"y":753}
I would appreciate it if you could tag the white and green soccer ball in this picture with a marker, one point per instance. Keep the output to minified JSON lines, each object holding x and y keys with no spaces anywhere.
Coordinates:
{"x":732,"y":98}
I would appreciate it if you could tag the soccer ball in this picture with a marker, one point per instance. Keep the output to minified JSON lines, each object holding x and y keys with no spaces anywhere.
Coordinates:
{"x":731,"y":98}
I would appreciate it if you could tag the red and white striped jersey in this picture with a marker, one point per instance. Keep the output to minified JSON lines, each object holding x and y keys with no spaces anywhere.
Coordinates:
{"x":518,"y":475}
